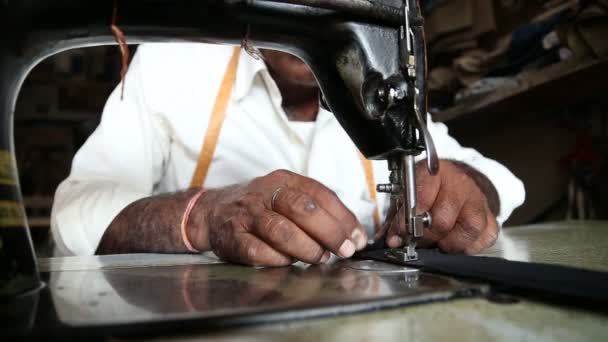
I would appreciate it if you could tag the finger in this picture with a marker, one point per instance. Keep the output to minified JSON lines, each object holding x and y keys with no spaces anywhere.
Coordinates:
{"x":427,"y":188}
{"x":331,"y":203}
{"x":427,"y":191}
{"x":308,"y":215}
{"x":327,"y":199}
{"x":390,"y":215}
{"x":396,"y":230}
{"x":249,"y":250}
{"x":444,"y":213}
{"x":488,"y":236}
{"x":286,"y":237}
{"x":426,"y":242}
{"x":472,"y":221}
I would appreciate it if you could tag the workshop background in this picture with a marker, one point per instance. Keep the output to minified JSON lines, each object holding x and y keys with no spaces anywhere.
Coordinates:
{"x":522,"y":81}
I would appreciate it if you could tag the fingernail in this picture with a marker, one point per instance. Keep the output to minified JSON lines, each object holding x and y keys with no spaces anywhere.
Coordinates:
{"x":394,"y":241}
{"x":325,"y":257}
{"x":359,"y":239}
{"x":347,"y":249}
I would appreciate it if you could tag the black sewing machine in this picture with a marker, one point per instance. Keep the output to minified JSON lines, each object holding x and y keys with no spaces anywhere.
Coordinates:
{"x":368,"y":57}
{"x":369,"y":60}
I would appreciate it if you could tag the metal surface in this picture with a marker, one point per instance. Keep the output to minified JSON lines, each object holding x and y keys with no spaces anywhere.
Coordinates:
{"x":109,"y":297}
{"x":582,"y":244}
{"x":458,"y":321}
{"x":364,"y":8}
{"x":432,"y":159}
{"x":380,"y":267}
{"x":415,"y":227}
{"x":181,"y":294}
{"x":470,"y":319}
{"x":206,"y":292}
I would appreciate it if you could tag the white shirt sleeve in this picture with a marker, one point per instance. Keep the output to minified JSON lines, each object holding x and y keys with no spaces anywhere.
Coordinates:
{"x":510,"y":189}
{"x":120,"y":163}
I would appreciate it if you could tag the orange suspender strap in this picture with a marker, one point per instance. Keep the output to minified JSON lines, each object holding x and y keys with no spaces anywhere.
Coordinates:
{"x":371,"y":186}
{"x":216,"y":120}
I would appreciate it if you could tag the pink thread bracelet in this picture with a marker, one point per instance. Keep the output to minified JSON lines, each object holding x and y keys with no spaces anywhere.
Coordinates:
{"x":185,"y":219}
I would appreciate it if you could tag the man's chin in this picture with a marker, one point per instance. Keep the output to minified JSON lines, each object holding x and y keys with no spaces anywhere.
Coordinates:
{"x":302,"y":75}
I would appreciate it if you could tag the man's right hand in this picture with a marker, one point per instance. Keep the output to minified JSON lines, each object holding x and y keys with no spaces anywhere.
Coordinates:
{"x":276,"y":220}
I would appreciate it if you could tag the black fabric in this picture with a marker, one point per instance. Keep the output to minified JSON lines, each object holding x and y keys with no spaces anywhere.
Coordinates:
{"x":545,"y":278}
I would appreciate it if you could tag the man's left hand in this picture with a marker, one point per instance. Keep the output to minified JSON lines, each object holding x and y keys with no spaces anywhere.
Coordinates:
{"x":462,"y":219}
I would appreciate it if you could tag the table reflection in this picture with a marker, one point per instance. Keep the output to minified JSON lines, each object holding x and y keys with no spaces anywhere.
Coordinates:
{"x":207,"y":291}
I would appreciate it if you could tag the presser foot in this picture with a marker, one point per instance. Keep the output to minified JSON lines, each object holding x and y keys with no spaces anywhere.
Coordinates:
{"x":405,"y":254}
{"x":415,"y":232}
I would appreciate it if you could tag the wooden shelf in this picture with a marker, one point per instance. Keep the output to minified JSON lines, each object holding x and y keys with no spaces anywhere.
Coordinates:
{"x":38,"y":202}
{"x":39,"y":222}
{"x":557,"y":85}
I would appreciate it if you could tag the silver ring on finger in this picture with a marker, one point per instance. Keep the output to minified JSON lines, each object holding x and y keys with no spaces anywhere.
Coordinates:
{"x":275,"y":194}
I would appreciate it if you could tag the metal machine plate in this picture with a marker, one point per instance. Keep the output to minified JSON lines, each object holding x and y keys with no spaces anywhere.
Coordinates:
{"x":213,"y":294}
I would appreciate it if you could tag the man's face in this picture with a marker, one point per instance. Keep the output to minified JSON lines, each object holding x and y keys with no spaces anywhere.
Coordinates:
{"x":289,"y":69}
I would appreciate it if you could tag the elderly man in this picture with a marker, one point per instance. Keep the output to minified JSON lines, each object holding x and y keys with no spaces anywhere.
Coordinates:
{"x":212,"y":149}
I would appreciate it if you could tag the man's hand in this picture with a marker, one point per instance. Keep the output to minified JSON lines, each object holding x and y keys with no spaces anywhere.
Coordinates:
{"x":463,"y":205}
{"x":275,"y":220}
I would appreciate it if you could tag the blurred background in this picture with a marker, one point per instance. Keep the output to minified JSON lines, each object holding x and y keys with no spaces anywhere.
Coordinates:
{"x":523,"y":81}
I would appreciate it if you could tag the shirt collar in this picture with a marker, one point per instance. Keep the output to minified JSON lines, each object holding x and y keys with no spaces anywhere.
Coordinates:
{"x":249,"y":67}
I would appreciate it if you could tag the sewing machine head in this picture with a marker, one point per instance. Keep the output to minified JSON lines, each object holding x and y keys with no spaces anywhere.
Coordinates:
{"x":368,"y":58}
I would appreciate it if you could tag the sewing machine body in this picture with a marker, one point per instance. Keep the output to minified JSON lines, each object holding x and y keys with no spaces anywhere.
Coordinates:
{"x":343,"y":51}
{"x":351,"y":56}
{"x":357,"y":59}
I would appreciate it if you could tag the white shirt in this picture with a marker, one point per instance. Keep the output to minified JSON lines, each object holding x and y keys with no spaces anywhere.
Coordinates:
{"x":149,"y":143}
